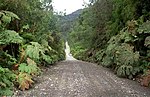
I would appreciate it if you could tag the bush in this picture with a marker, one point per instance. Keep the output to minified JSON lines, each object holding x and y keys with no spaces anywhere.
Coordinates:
{"x":123,"y":52}
{"x":6,"y":81}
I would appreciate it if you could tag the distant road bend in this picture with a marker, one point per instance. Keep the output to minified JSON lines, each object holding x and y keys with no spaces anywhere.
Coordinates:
{"x":74,"y":78}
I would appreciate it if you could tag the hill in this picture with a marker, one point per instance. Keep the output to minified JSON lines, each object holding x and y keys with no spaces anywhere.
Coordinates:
{"x":66,"y":22}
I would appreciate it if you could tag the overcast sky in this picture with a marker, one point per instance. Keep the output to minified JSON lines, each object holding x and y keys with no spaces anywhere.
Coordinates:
{"x":68,"y":5}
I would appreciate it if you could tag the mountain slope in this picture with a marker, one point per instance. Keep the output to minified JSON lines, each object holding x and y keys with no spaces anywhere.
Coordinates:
{"x":66,"y":22}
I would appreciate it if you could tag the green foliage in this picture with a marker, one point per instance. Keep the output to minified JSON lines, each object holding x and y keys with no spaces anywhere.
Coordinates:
{"x":30,"y":68}
{"x":144,"y":28}
{"x":6,"y":81}
{"x":107,"y":61}
{"x":28,"y":37}
{"x":27,"y":25}
{"x":89,"y":30}
{"x":124,"y":55}
{"x":7,"y":16}
{"x":11,"y":14}
{"x":130,"y":71}
{"x":120,"y":53}
{"x":144,"y":66}
{"x":99,"y":55}
{"x":7,"y":59}
{"x":126,"y":61}
{"x":8,"y":36}
{"x":33,"y":50}
{"x":47,"y":58}
{"x":78,"y":52}
{"x":116,"y":34}
{"x":6,"y":19}
{"x":24,"y":80}
{"x":43,"y":52}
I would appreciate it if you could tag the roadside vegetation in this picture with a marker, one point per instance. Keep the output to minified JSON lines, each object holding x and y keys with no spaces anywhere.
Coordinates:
{"x":29,"y":40}
{"x":115,"y":34}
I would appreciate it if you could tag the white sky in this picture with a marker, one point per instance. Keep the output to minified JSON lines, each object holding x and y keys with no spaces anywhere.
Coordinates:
{"x":68,"y":5}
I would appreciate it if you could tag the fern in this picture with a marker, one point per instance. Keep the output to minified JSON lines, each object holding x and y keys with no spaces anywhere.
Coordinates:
{"x":28,"y":37}
{"x":24,"y":80}
{"x":107,"y":61}
{"x":124,"y":55}
{"x":7,"y":17}
{"x":26,"y":72}
{"x":99,"y":55}
{"x":47,"y":58}
{"x":11,"y":14}
{"x":124,"y":71}
{"x":9,"y":36}
{"x":38,"y":52}
{"x":33,"y":50}
{"x":6,"y":81}
{"x":120,"y":54}
{"x":7,"y":59}
{"x":127,"y":71}
{"x":30,"y":68}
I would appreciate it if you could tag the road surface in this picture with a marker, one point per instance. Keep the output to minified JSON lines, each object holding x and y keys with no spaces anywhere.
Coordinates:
{"x":73,"y":78}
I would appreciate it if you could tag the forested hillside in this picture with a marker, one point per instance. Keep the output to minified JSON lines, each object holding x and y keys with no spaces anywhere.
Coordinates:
{"x":66,"y":22}
{"x":29,"y":40}
{"x":115,"y":34}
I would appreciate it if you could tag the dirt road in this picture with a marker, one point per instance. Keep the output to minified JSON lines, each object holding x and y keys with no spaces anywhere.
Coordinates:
{"x":73,"y":78}
{"x":82,"y":79}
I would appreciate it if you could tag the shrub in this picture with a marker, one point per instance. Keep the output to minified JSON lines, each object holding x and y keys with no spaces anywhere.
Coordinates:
{"x":6,"y":81}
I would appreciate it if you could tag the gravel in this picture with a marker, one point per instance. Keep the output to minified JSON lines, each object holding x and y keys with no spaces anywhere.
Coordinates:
{"x":73,"y":78}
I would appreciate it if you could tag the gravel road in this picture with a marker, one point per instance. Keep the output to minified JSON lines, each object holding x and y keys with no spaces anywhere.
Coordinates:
{"x":82,"y":79}
{"x":73,"y":78}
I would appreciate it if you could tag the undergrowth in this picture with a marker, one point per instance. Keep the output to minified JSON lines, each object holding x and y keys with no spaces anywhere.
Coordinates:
{"x":21,"y":55}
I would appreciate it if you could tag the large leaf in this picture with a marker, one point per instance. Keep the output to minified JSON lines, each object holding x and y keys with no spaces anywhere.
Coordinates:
{"x":30,"y":68}
{"x":6,"y":19}
{"x":11,"y":14}
{"x":9,"y":36}
{"x":47,"y":58}
{"x":33,"y":50}
{"x":8,"y":16}
{"x":36,"y":51}
{"x":24,"y":80}
{"x":124,"y":55}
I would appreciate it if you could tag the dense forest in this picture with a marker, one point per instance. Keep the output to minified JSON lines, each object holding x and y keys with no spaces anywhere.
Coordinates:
{"x":29,"y":40}
{"x":115,"y":34}
{"x":112,"y":33}
{"x":66,"y":22}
